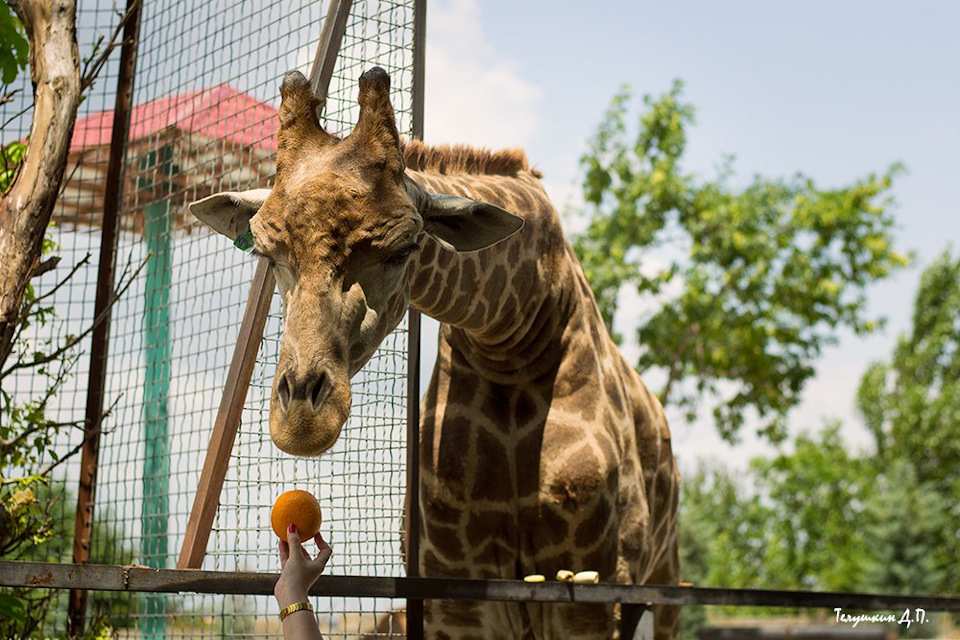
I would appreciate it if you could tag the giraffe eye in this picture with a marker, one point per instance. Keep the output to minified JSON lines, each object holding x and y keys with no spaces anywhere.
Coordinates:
{"x":402,"y":255}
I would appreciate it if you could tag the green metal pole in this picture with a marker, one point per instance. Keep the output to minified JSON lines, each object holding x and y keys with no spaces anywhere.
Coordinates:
{"x":156,"y":472}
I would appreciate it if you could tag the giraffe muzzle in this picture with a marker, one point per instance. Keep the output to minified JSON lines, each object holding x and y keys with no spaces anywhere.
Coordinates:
{"x":308,"y":411}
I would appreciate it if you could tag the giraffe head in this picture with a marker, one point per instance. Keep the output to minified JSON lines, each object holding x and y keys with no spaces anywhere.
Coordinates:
{"x":341,"y":228}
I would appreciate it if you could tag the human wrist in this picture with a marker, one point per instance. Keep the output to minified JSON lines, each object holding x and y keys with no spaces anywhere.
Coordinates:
{"x":289,"y":596}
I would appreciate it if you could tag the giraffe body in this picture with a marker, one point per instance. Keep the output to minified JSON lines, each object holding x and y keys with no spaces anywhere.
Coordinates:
{"x":541,"y":449}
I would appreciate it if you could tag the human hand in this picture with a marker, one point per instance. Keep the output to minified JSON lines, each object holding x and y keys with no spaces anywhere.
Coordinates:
{"x":298,"y":570}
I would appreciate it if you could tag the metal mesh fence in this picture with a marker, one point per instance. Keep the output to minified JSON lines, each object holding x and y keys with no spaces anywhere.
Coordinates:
{"x":205,"y":98}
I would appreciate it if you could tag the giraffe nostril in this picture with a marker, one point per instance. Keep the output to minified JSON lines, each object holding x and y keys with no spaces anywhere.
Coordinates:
{"x":316,"y":391}
{"x":283,"y":392}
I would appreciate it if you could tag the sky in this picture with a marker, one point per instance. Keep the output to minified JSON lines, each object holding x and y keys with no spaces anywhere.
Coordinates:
{"x":834,"y":90}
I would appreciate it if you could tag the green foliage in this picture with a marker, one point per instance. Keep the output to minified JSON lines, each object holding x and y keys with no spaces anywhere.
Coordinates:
{"x":911,"y":405}
{"x":748,"y":284}
{"x":910,"y":520}
{"x":44,"y":610}
{"x":791,"y":522}
{"x":12,"y":156}
{"x":814,"y":537}
{"x":14,"y":49}
{"x":36,"y":517}
{"x":820,"y":516}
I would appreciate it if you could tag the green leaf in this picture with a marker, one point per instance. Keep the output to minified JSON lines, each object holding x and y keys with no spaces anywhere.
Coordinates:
{"x":763,"y":277}
{"x":14,"y":49}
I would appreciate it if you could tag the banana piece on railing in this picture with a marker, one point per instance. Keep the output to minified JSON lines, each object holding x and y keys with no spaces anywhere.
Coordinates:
{"x":586,"y":577}
{"x":536,"y":577}
{"x":565,"y":576}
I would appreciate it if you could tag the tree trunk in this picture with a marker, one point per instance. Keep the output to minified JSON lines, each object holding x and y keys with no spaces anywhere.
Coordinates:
{"x":25,"y":211}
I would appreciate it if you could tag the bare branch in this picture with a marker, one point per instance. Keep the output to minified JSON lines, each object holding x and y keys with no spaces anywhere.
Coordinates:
{"x":90,"y":434}
{"x":70,"y":344}
{"x":8,"y":96}
{"x":95,"y":64}
{"x":48,"y":294}
{"x":47,"y":265}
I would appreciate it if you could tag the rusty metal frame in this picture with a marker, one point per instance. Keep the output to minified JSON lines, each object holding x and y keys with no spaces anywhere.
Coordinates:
{"x":414,"y":612}
{"x":147,"y":579}
{"x":100,"y":340}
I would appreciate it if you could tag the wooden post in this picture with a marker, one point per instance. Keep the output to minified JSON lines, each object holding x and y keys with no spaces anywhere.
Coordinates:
{"x":100,"y":341}
{"x":248,"y":343}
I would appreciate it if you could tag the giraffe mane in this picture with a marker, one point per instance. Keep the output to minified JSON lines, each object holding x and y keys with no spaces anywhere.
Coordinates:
{"x":461,"y":159}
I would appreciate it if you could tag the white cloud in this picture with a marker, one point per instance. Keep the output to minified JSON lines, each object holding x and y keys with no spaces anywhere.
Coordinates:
{"x":474,"y":94}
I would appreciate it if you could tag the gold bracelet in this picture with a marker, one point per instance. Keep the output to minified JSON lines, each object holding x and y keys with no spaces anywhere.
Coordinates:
{"x":296,"y":606}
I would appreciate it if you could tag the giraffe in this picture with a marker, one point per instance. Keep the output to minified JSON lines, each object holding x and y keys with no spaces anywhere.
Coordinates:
{"x":541,"y":449}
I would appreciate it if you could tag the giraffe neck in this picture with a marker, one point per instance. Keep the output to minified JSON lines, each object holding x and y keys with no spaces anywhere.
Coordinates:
{"x":505,"y":306}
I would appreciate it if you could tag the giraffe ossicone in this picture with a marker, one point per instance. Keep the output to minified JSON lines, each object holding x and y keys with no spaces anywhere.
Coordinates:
{"x":541,"y":449}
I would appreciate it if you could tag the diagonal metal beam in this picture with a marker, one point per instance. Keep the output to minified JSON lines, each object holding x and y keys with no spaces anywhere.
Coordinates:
{"x":251,"y":333}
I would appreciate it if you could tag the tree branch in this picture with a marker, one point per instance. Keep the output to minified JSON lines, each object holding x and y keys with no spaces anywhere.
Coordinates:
{"x":25,"y":211}
{"x":26,"y":310}
{"x":93,"y":66}
{"x":69,"y":344}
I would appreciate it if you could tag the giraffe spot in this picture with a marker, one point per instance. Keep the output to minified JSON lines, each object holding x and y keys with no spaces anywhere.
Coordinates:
{"x":421,"y":282}
{"x":560,"y":440}
{"x":468,"y":274}
{"x":439,"y":511}
{"x":495,"y":555}
{"x":445,"y":539}
{"x":433,"y":290}
{"x":486,"y":524}
{"x":495,"y":409}
{"x":613,"y":391}
{"x":463,"y":377}
{"x":608,"y":449}
{"x":496,"y":283}
{"x":526,"y":408}
{"x":444,"y":258}
{"x":595,"y":526}
{"x":544,"y":526}
{"x":484,"y":258}
{"x":461,"y":613}
{"x":527,"y":453}
{"x":453,"y":454}
{"x":513,"y":253}
{"x":494,"y":480}
{"x":428,"y":253}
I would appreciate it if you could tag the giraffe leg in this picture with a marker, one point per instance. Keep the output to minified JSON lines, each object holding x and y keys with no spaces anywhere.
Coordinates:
{"x":565,"y":621}
{"x":666,"y":617}
{"x":474,"y":620}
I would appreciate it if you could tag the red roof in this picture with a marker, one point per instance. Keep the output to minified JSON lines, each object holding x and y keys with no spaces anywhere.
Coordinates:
{"x":219,"y":112}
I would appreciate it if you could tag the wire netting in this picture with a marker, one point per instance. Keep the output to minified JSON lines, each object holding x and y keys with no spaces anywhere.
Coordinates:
{"x":206,"y":94}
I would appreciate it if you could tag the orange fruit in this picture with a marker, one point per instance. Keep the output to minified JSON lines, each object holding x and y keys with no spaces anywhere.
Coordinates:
{"x":296,"y":507}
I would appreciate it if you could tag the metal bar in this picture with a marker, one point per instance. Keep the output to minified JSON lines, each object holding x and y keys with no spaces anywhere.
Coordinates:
{"x":100,"y":340}
{"x":146,"y":579}
{"x":155,"y":480}
{"x":414,"y":606}
{"x":329,"y":48}
{"x":248,"y":343}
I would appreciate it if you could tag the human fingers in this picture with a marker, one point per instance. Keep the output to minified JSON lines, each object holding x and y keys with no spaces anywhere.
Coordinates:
{"x":284,"y":548}
{"x":323,"y":555}
{"x":293,"y":539}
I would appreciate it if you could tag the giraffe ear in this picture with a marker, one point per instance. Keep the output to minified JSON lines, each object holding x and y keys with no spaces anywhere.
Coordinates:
{"x":467,"y":225}
{"x":229,"y":212}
